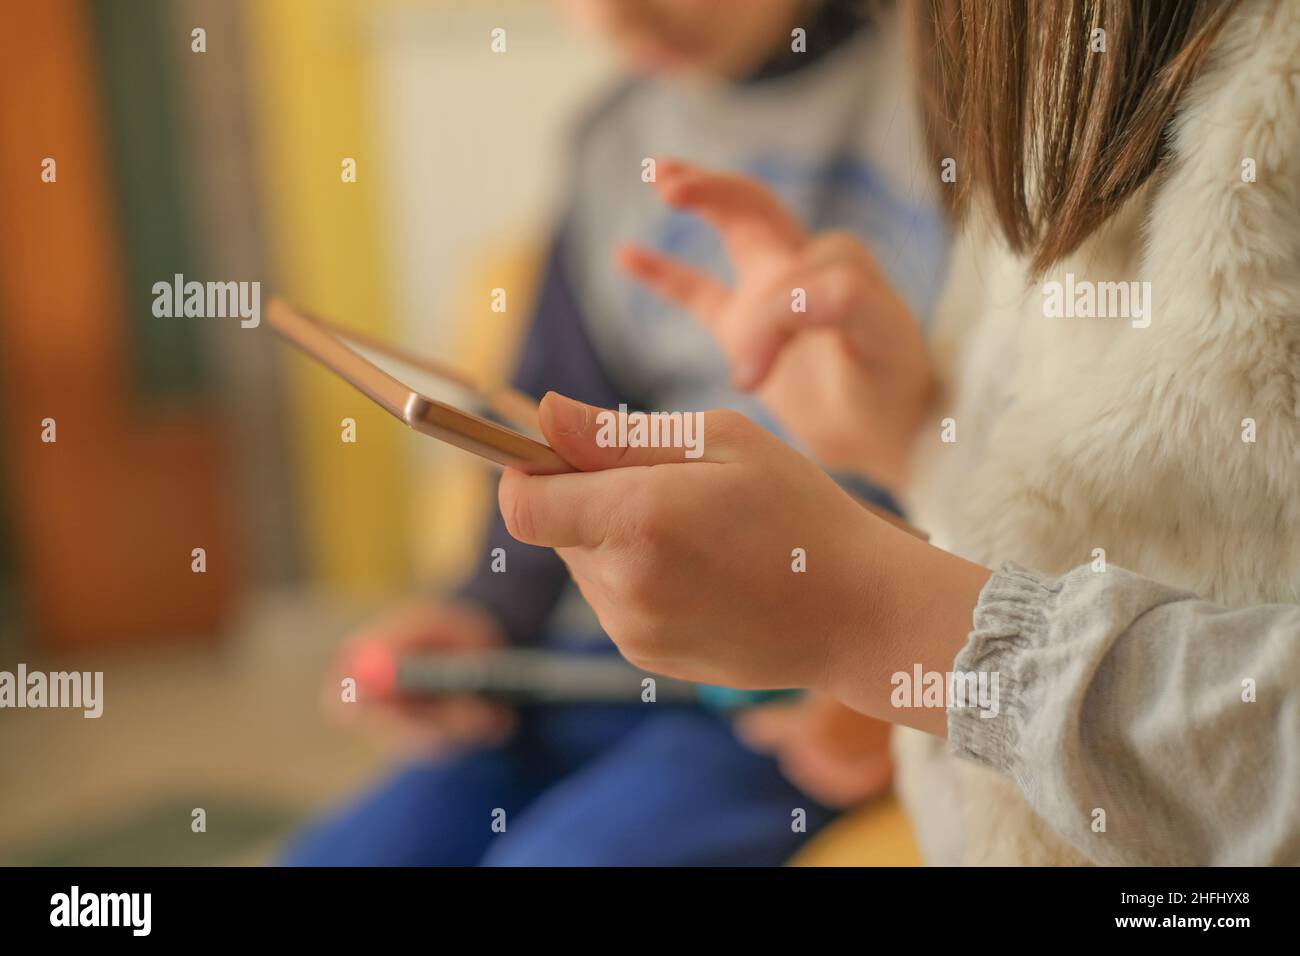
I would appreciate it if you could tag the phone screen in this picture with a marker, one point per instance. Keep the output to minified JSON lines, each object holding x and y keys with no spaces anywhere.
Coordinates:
{"x":423,"y":381}
{"x":502,"y":409}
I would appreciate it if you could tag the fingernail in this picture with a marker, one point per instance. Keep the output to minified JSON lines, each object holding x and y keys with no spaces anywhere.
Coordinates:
{"x":568,"y":417}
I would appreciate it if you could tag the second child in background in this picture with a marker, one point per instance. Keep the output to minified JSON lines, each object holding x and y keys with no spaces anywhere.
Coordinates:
{"x":812,"y":99}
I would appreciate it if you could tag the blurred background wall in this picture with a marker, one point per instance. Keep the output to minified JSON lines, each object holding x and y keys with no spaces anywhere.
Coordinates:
{"x":174,"y":434}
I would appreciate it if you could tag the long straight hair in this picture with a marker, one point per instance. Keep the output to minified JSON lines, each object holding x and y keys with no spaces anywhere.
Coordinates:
{"x":1055,"y":111}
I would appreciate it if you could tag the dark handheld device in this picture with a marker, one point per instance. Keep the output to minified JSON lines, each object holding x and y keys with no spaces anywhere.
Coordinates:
{"x":516,"y":676}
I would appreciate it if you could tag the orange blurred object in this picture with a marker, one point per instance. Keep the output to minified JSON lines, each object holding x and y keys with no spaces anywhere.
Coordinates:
{"x":107,"y":516}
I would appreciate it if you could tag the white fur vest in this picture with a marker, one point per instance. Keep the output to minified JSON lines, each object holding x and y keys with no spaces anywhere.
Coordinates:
{"x":1167,"y":435}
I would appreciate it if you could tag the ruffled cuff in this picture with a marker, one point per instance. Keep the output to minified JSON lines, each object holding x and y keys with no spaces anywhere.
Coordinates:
{"x":1010,"y":622}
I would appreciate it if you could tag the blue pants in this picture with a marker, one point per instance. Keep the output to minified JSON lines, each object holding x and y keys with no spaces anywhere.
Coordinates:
{"x":580,"y":786}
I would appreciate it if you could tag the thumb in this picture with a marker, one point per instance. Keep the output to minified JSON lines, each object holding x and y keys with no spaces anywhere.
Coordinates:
{"x":594,"y":439}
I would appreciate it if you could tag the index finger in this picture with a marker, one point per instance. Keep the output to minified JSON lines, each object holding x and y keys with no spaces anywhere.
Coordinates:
{"x":754,"y":224}
{"x":558,"y":511}
{"x":695,"y":291}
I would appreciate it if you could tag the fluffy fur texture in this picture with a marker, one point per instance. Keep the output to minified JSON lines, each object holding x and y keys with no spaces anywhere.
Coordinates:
{"x":1075,"y":434}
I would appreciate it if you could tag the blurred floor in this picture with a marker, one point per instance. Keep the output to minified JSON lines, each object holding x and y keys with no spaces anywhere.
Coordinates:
{"x":234,"y":727}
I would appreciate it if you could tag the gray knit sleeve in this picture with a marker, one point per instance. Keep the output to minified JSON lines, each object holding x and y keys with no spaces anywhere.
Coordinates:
{"x":1146,"y":726}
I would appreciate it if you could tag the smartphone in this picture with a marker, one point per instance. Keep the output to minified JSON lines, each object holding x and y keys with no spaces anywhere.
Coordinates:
{"x":499,"y":424}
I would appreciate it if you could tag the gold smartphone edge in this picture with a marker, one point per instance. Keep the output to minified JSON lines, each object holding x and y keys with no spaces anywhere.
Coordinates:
{"x":328,"y":344}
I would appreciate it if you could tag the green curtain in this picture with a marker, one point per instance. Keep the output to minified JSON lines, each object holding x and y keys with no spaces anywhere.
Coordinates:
{"x":137,"y":48}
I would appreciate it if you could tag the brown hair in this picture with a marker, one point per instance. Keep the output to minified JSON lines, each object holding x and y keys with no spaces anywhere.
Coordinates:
{"x":1053,"y":136}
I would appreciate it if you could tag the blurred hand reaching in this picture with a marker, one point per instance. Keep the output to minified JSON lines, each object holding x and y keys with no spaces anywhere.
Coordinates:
{"x":850,"y":375}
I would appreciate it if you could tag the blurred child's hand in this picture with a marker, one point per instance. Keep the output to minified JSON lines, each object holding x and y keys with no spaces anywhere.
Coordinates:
{"x":850,"y":376}
{"x":829,"y":751}
{"x":434,"y":726}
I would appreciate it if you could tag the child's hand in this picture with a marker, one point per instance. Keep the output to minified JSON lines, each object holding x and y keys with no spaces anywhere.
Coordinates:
{"x":850,"y":376}
{"x":830,"y":752}
{"x":425,"y":727}
{"x":691,"y":564}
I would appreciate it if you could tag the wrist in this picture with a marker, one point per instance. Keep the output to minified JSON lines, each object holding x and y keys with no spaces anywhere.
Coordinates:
{"x":891,"y":468}
{"x":915,"y":608}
